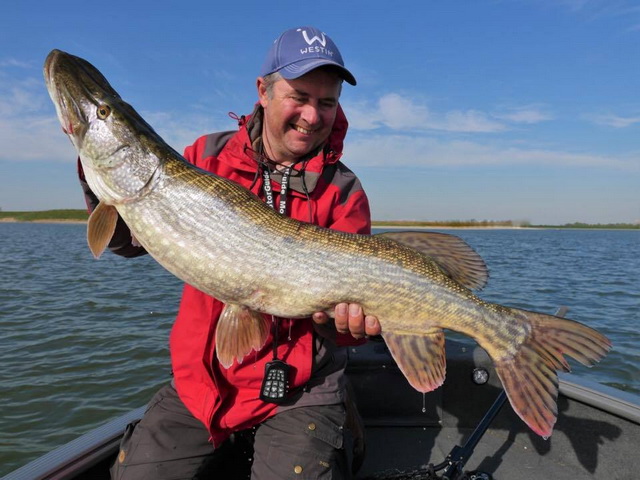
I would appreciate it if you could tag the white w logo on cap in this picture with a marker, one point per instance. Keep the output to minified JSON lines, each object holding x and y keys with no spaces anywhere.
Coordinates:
{"x":321,"y":40}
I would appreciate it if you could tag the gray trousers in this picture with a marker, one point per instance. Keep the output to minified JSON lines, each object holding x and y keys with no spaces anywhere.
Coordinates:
{"x":170,"y":444}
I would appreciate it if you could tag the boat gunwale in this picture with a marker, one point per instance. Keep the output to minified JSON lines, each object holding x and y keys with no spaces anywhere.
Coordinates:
{"x":73,"y":458}
{"x":611,"y":400}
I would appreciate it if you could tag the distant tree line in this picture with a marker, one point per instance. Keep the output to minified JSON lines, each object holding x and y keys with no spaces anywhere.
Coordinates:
{"x":44,"y":215}
{"x":82,"y":215}
{"x":450,"y":223}
{"x":607,"y":226}
{"x":499,"y":223}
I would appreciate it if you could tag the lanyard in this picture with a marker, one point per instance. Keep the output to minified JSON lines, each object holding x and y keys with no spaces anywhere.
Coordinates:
{"x":282,"y":209}
{"x":268,"y":190}
{"x":275,"y":384}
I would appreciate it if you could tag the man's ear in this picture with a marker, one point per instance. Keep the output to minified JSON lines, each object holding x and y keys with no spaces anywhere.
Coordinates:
{"x":262,"y":92}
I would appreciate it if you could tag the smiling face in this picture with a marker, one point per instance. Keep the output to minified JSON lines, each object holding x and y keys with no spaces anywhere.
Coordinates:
{"x":298,"y":114}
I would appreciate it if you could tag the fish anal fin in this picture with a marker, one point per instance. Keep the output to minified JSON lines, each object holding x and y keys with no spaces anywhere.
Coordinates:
{"x":101,"y":227}
{"x":454,"y":256}
{"x":239,"y":330}
{"x":529,"y":376}
{"x":421,"y":358}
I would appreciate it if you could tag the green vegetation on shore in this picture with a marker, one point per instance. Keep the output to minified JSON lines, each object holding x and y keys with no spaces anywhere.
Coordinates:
{"x":70,"y":215}
{"x":604,"y":226}
{"x":46,"y":215}
{"x":498,"y":224}
{"x":450,"y":223}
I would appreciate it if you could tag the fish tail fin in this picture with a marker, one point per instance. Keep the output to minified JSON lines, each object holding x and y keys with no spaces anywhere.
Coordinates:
{"x":529,"y":377}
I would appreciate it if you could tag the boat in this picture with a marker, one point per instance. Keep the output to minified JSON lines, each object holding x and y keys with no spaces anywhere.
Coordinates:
{"x":459,"y":431}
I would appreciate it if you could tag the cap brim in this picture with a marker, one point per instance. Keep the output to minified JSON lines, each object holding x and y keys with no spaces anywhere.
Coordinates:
{"x":296,"y":70}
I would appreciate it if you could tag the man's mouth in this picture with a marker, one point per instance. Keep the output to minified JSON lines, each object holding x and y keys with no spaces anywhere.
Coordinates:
{"x":302,"y":130}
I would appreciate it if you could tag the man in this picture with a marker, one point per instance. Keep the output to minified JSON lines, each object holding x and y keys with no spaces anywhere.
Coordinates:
{"x":287,"y":152}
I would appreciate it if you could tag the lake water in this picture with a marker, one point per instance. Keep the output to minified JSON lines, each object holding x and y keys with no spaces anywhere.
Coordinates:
{"x":83,"y":341}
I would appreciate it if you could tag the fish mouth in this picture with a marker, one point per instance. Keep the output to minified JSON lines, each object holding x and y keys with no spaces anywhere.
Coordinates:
{"x":49,"y":64}
{"x":58,"y":67}
{"x":71,"y":116}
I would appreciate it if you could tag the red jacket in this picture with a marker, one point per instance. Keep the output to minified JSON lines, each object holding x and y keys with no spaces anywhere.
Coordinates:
{"x":228,"y":400}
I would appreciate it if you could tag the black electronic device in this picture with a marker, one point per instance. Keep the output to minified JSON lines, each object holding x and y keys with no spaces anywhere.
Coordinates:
{"x":275,"y":384}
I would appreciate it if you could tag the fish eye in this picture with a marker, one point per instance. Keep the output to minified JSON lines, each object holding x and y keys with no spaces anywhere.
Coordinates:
{"x":103,"y":111}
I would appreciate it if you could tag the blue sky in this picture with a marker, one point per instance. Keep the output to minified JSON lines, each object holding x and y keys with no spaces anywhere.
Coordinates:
{"x":512,"y":109}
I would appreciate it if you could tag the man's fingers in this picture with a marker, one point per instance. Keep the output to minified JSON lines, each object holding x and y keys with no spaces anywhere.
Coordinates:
{"x":356,"y":320}
{"x":341,"y":316}
{"x":349,"y":318}
{"x":372,"y":326}
{"x":320,"y":318}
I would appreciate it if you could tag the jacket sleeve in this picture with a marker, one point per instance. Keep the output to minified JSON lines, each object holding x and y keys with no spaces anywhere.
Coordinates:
{"x":121,"y":242}
{"x":349,"y":205}
{"x":354,"y":216}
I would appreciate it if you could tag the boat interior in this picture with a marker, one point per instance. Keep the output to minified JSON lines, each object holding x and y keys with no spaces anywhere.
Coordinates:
{"x":438,"y":435}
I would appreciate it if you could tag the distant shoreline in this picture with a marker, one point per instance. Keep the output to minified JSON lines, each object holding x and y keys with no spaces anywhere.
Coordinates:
{"x":498,"y":225}
{"x":46,"y":216}
{"x":377,"y":225}
{"x":71,"y":216}
{"x":435,"y":226}
{"x":49,"y":220}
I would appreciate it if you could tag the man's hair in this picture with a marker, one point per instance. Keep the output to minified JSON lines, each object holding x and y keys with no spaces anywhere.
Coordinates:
{"x":272,"y":78}
{"x":269,"y":81}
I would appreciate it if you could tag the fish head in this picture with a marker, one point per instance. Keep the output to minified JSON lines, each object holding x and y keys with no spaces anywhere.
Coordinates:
{"x":119,"y":151}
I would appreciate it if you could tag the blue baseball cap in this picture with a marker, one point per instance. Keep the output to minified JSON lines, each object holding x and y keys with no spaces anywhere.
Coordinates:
{"x":300,"y":50}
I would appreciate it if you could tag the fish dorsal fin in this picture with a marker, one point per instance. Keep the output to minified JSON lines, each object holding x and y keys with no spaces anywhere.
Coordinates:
{"x":239,"y":331}
{"x":100,"y":228}
{"x":421,"y":358}
{"x":456,"y":258}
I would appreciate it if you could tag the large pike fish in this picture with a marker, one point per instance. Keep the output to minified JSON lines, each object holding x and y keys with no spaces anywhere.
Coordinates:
{"x":223,"y":240}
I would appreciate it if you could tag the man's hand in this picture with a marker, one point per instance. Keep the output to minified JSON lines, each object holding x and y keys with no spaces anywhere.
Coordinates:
{"x":349,"y":318}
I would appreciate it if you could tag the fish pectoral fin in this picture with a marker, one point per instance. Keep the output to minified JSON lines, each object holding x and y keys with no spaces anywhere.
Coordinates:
{"x":421,"y":358}
{"x":239,"y":330}
{"x":101,"y":227}
{"x":452,"y":254}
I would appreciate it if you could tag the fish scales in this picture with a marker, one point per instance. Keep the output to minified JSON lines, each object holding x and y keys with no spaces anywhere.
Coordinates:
{"x":249,"y":247}
{"x":220,"y":238}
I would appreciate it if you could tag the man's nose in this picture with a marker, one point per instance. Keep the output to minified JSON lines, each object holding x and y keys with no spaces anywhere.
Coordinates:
{"x":311,"y":114}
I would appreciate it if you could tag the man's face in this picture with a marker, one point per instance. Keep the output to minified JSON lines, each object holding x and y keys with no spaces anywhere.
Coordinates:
{"x":299,"y":114}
